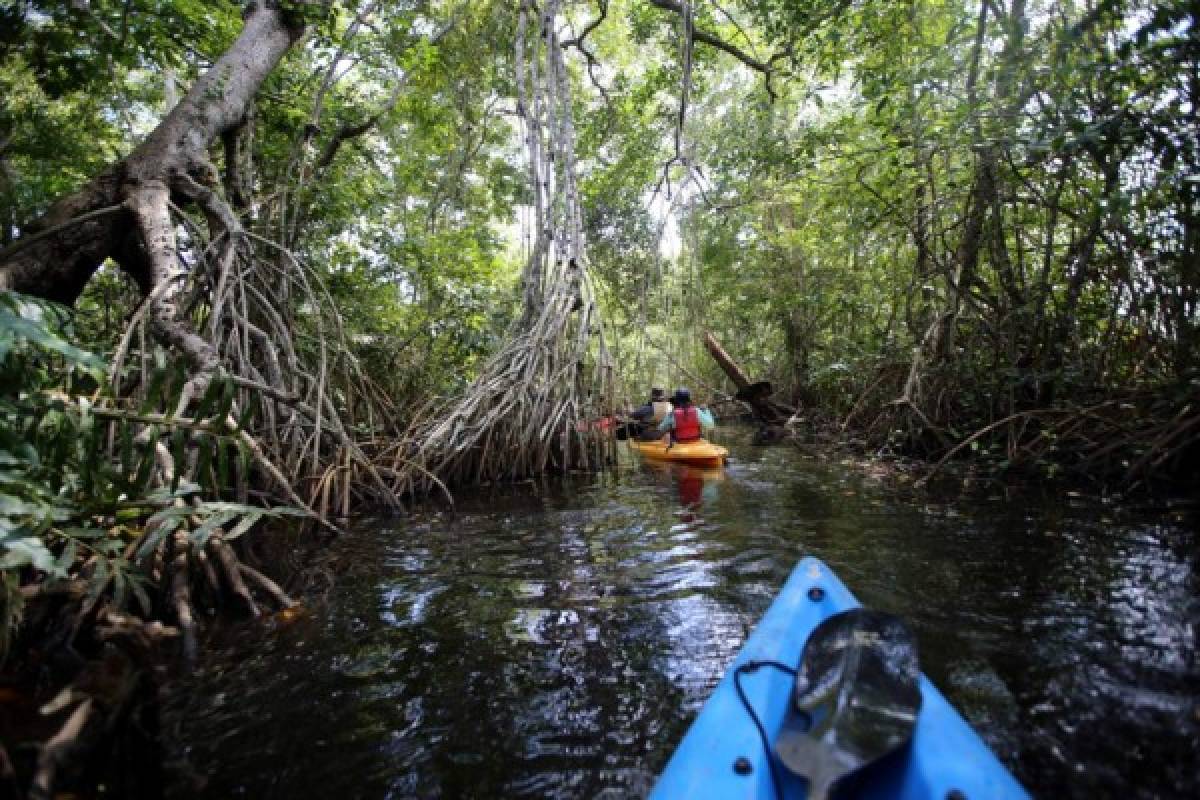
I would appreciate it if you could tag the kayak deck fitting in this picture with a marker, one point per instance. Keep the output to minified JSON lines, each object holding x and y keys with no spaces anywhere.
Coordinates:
{"x":723,"y":754}
{"x":700,"y":453}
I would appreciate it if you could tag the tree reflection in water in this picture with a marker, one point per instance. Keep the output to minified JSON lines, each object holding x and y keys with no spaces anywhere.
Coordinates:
{"x":557,"y":642}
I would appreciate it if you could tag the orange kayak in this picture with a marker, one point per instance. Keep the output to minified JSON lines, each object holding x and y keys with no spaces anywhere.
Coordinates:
{"x":699,"y":453}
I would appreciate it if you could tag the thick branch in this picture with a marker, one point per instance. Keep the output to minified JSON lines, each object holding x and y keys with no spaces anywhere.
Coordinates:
{"x":756,"y":395}
{"x":58,"y":266}
{"x":149,"y":205}
{"x":704,"y":37}
{"x":33,"y":238}
{"x":219,"y":99}
{"x":731,"y":367}
{"x":351,"y":131}
{"x":238,"y":177}
{"x":57,"y":751}
{"x":579,"y":44}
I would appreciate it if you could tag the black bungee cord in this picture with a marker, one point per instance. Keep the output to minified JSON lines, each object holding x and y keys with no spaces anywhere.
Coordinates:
{"x":753,"y":666}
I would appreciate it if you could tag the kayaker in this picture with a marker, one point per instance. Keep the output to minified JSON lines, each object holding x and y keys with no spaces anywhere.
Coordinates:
{"x":652,"y":414}
{"x":686,"y":422}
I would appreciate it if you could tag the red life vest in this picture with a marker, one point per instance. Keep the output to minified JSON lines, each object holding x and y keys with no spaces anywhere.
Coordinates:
{"x":687,"y":424}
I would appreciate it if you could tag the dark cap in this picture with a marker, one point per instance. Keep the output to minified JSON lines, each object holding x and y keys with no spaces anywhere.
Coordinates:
{"x":682,"y":395}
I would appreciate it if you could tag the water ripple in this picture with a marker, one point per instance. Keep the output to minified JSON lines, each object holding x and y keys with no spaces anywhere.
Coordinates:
{"x":558,"y":644}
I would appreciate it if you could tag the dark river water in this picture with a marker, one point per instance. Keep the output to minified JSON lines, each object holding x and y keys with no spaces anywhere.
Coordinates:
{"x":557,"y":641}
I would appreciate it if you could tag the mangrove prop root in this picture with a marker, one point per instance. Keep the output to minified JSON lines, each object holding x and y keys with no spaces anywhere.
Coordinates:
{"x":219,"y":299}
{"x":230,"y":568}
{"x":181,"y":599}
{"x":158,"y":562}
{"x":528,"y":411}
{"x":267,"y":585}
{"x":127,"y":629}
{"x":210,"y":575}
{"x":56,"y":752}
{"x":1102,"y":441}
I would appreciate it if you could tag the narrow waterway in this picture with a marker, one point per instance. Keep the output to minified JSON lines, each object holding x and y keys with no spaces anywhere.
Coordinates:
{"x":556,"y":642}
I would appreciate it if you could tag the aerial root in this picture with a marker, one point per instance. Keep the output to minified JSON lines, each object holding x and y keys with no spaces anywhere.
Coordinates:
{"x":178,"y":565}
{"x":57,"y":751}
{"x":230,"y":568}
{"x":181,"y":595}
{"x":529,"y":410}
{"x":267,"y":585}
{"x":1102,"y":439}
{"x":99,"y":696}
{"x":210,"y":574}
{"x":132,"y":631}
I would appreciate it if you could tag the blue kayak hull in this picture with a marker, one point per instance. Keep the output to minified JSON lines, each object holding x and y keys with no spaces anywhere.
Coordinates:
{"x":946,"y":758}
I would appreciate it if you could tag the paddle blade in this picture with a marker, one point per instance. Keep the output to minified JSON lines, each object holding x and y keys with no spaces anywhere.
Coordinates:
{"x":855,"y":700}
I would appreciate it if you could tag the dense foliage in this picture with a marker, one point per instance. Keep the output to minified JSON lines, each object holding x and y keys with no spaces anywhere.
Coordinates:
{"x":937,"y":219}
{"x":77,"y":505}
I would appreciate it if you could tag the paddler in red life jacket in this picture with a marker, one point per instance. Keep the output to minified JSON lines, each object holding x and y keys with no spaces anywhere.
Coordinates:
{"x":686,"y":422}
{"x":652,"y":414}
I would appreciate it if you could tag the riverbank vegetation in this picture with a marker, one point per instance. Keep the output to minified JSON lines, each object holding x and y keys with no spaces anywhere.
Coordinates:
{"x":289,"y":260}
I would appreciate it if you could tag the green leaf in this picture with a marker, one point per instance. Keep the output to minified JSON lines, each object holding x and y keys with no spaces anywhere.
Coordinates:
{"x":199,"y":536}
{"x":179,"y":443}
{"x":85,"y":533}
{"x":137,"y":586}
{"x":67,"y":558}
{"x":11,"y":506}
{"x":165,"y":494}
{"x":223,"y":476}
{"x":25,"y":319}
{"x":163,"y":527}
{"x":158,"y":377}
{"x":119,"y":584}
{"x":209,"y":401}
{"x":29,"y":551}
{"x":204,"y":447}
{"x":99,"y":580}
{"x":241,"y":508}
{"x":247,"y":522}
{"x":227,"y":395}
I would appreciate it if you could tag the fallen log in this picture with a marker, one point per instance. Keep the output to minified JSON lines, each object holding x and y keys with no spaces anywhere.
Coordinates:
{"x":755,"y":394}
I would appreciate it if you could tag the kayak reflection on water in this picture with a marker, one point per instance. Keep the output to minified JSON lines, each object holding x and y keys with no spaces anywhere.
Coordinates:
{"x":696,"y":486}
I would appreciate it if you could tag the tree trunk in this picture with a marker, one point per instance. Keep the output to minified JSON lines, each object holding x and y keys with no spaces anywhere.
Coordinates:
{"x":797,"y":329}
{"x":756,"y":395}
{"x":124,"y":213}
{"x":729,"y":366}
